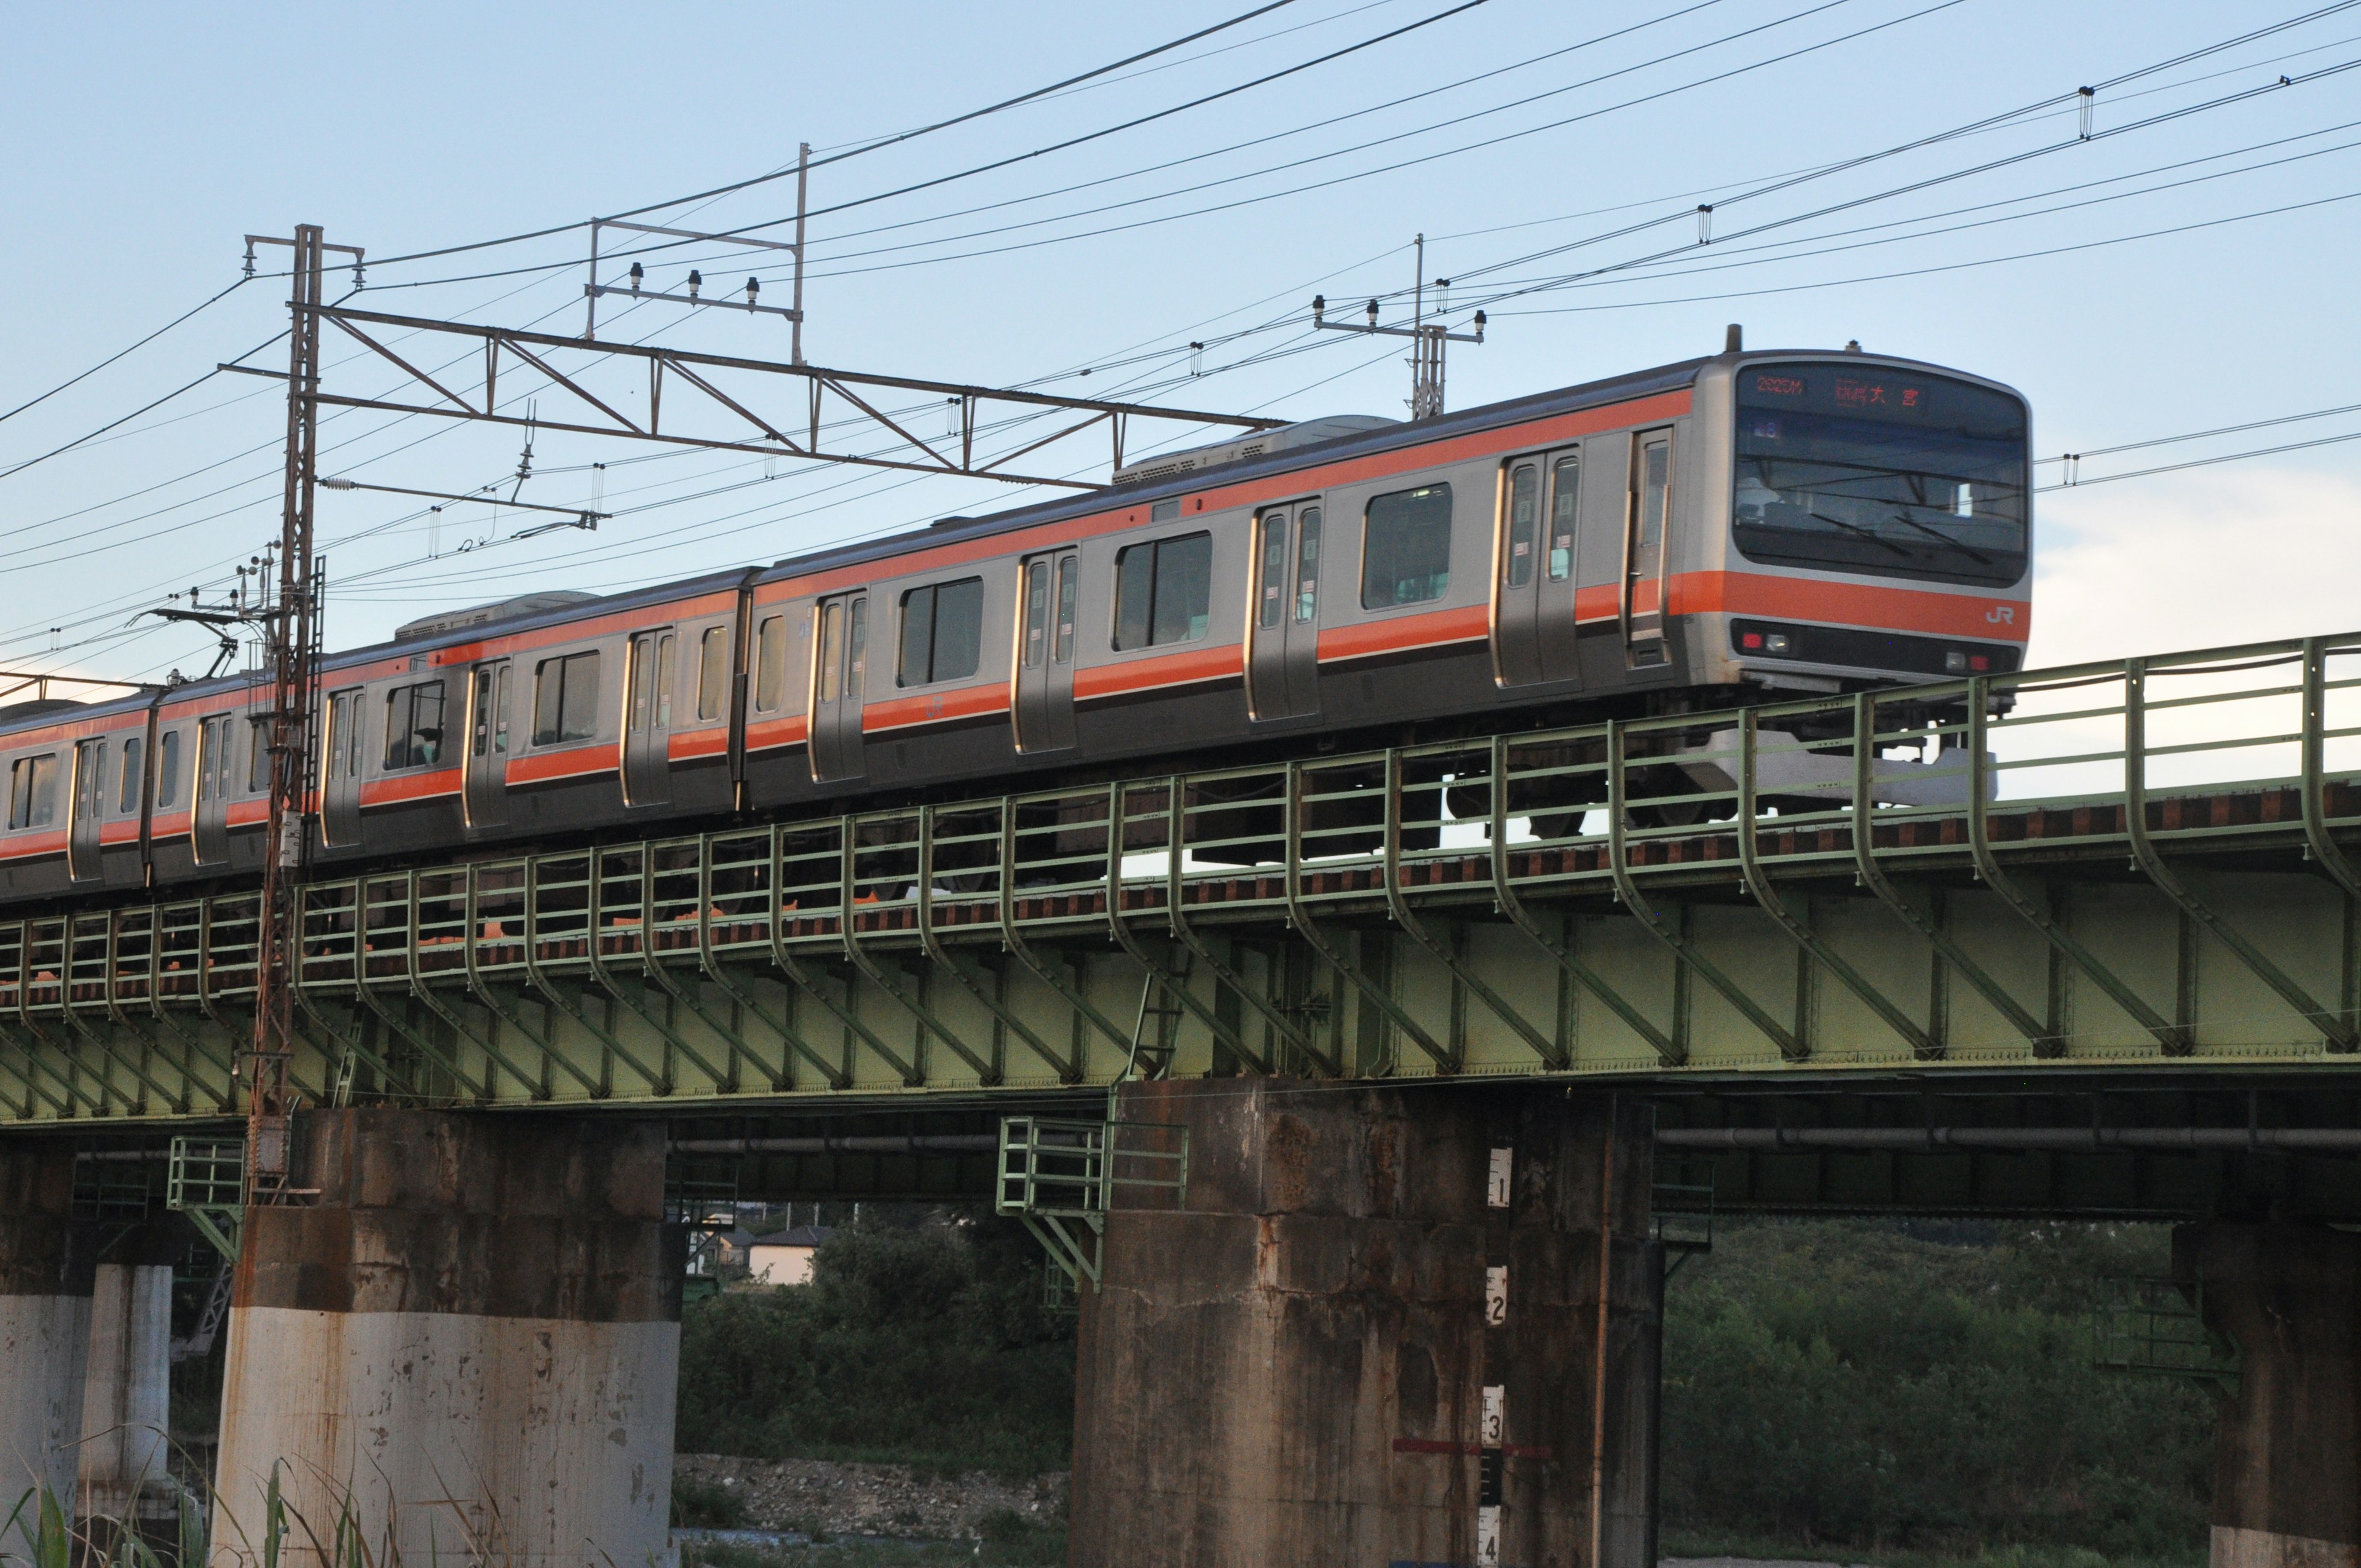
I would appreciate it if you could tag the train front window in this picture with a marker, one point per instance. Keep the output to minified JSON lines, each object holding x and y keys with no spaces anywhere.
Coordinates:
{"x":1883,"y":473}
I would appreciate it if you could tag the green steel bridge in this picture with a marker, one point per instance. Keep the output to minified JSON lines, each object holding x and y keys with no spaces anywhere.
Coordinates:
{"x":2145,"y":865}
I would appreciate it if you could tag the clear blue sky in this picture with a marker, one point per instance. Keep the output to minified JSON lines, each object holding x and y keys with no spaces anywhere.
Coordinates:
{"x":146,"y":140}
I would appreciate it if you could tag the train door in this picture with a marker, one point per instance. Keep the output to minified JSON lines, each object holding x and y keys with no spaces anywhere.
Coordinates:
{"x":82,"y":853}
{"x":340,"y":770}
{"x":1284,"y":653}
{"x":647,"y":720}
{"x":839,"y":667}
{"x":486,"y":781}
{"x":1647,"y":518}
{"x":210,"y":832}
{"x":1533,"y":631}
{"x":1045,"y":665}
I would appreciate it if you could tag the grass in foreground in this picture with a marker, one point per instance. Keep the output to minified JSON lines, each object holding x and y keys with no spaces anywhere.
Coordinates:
{"x":1009,"y":1540}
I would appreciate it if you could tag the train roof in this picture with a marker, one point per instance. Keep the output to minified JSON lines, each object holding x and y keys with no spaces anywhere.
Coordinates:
{"x":1516,"y":410}
{"x":529,"y":611}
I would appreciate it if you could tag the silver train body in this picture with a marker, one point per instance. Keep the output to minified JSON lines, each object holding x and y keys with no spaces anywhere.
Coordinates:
{"x":1735,"y":526}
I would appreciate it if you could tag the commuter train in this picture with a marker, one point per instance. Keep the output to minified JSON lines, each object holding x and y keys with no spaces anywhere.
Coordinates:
{"x":1716,"y":531}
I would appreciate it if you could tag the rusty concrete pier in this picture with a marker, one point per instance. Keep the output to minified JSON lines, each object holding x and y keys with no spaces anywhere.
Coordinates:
{"x":467,"y":1341}
{"x":1378,"y":1325}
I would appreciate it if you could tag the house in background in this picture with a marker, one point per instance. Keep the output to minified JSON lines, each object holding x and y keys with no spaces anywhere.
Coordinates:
{"x":785,"y":1257}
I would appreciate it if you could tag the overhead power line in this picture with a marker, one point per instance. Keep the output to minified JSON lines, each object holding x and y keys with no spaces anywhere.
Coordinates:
{"x":854,"y":152}
{"x":111,"y":359}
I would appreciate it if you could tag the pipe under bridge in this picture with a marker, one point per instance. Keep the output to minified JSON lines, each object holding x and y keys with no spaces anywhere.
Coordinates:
{"x":1362,"y":1097}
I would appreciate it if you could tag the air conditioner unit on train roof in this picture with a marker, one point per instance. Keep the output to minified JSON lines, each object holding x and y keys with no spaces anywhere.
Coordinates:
{"x":506,"y":609}
{"x":1261,"y":443}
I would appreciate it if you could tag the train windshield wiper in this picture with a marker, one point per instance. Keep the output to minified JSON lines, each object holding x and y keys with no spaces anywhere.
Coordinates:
{"x":1960,"y":545}
{"x":1869,"y":533}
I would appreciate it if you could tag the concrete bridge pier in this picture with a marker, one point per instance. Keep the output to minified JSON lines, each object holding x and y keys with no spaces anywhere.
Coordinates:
{"x":46,"y":1261}
{"x":2287,"y":1467}
{"x":466,"y":1342}
{"x":126,"y":1388}
{"x":1371,"y":1332}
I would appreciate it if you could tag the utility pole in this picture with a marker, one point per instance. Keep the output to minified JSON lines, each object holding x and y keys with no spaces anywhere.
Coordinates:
{"x":1427,"y":338}
{"x":293,"y":625}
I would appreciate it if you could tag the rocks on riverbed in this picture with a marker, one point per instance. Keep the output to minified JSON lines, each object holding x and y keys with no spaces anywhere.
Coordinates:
{"x":812,"y":1495}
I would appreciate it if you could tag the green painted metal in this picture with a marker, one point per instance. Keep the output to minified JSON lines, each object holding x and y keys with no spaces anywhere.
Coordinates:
{"x":205,"y":1178}
{"x":2162,"y":847}
{"x":2156,"y":1328}
{"x":1060,"y":1176}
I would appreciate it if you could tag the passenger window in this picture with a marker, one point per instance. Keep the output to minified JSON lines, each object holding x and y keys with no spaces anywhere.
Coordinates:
{"x":258,"y":756}
{"x":1163,"y":591}
{"x":1037,"y":613}
{"x":771,"y":662}
{"x":1307,"y":564}
{"x":1271,"y":600}
{"x":1566,"y":493}
{"x":1524,"y":514}
{"x":856,"y":649}
{"x":1065,"y":650}
{"x":831,"y":648}
{"x":565,"y":699}
{"x":213,"y":758}
{"x":413,"y":725}
{"x":135,"y":750}
{"x":33,"y":791}
{"x":1655,"y":492}
{"x":168,"y":770}
{"x":713,"y":672}
{"x":1406,"y":547}
{"x":491,"y":727}
{"x":942,"y":632}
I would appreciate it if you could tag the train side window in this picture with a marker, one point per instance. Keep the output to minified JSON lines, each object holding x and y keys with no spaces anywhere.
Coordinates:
{"x":856,"y":649}
{"x":1307,"y":564}
{"x":1163,"y":591}
{"x":1037,"y":613}
{"x":33,"y":791}
{"x":1524,"y":515}
{"x":258,"y":756}
{"x":565,"y":699}
{"x":212,"y":757}
{"x":942,"y":632}
{"x":831,"y":650}
{"x":1565,"y":496}
{"x":713,"y":672}
{"x":1271,"y":585}
{"x":168,"y":770}
{"x":134,"y":750}
{"x":1406,"y":547}
{"x":413,"y":725}
{"x":771,"y":662}
{"x":1066,"y":590}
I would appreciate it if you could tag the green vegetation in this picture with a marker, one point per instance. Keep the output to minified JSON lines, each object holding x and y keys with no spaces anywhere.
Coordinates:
{"x":1905,"y":1390}
{"x":706,"y":1504}
{"x":919,"y":1343}
{"x":1897,"y":1391}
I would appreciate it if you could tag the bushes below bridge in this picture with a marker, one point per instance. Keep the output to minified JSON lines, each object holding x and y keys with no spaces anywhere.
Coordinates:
{"x":1873,"y":1387}
{"x":1921,"y":1387}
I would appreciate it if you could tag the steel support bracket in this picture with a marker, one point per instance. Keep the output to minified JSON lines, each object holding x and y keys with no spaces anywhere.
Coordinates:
{"x":792,"y":967}
{"x":1119,"y":928}
{"x":1505,"y":897}
{"x":848,"y":843}
{"x":2171,"y":1037}
{"x":2338,"y":1031}
{"x":1012,"y":937}
{"x":1874,"y":877}
{"x":1652,"y":920}
{"x":1757,"y":883}
{"x":1176,"y":919}
{"x":1069,"y":1070}
{"x":1551,"y":1052}
{"x":1443,"y":1058}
